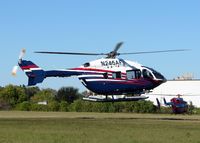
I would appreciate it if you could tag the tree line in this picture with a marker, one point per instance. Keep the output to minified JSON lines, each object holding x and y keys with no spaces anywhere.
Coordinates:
{"x":67,"y":99}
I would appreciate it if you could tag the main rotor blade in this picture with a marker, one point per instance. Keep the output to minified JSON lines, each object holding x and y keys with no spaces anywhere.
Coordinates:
{"x":117,"y":47}
{"x":114,"y":53}
{"x":111,"y":54}
{"x":149,"y":52}
{"x":70,"y":53}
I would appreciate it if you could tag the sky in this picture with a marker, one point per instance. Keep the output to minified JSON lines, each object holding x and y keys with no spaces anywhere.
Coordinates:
{"x":96,"y":26}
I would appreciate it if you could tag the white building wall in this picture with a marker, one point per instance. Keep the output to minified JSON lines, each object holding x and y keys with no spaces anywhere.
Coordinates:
{"x":190,"y":89}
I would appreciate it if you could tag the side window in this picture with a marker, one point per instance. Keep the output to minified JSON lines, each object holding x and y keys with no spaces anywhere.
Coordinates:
{"x":138,"y":73}
{"x":116,"y":75}
{"x":86,"y":64}
{"x":132,"y":74}
{"x":105,"y":75}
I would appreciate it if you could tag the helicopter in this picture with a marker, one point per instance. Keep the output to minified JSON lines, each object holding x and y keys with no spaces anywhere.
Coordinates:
{"x":179,"y":106}
{"x":110,"y":77}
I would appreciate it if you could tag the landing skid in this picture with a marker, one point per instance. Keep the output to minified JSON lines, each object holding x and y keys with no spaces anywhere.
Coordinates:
{"x":102,"y":98}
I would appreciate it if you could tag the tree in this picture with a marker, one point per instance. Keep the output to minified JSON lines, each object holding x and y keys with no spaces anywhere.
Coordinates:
{"x":68,"y":94}
{"x":44,"y":95}
{"x":4,"y":105}
{"x":1,"y":88}
{"x":31,"y":91}
{"x":13,"y":94}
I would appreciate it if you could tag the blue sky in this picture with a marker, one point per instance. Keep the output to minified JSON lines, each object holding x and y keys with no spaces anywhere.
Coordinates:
{"x":96,"y":26}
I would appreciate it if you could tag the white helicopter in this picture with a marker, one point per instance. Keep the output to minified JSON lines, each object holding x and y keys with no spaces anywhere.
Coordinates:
{"x":112,"y":78}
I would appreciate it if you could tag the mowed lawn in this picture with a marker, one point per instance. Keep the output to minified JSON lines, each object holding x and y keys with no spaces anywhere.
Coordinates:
{"x":51,"y":127}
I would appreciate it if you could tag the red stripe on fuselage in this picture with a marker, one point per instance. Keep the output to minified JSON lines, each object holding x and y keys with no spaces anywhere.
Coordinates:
{"x":28,"y":67}
{"x":93,"y":69}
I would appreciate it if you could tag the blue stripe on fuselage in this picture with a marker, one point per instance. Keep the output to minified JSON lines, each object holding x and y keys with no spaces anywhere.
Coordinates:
{"x":117,"y":87}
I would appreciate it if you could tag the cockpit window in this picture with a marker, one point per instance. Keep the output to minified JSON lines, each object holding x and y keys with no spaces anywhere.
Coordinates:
{"x":147,"y":74}
{"x":86,"y":64}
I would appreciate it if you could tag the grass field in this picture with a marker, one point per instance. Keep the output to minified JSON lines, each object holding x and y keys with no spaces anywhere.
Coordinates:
{"x":57,"y":127}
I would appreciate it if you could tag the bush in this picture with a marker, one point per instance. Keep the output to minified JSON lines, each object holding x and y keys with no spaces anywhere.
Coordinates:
{"x":146,"y":107}
{"x":64,"y":106}
{"x":165,"y":110}
{"x":53,"y":106}
{"x":101,"y":107}
{"x":196,"y":111}
{"x":4,"y":105}
{"x":191,"y":109}
{"x":39,"y":107}
{"x":24,"y":106}
{"x":76,"y":106}
{"x":118,"y":107}
{"x":129,"y":106}
{"x":87,"y":106}
{"x":138,"y":107}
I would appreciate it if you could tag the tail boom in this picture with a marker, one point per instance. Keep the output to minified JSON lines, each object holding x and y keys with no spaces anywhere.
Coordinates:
{"x":37,"y":75}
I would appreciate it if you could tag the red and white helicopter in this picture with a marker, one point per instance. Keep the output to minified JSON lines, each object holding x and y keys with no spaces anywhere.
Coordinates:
{"x":111,"y":77}
{"x":178,"y":105}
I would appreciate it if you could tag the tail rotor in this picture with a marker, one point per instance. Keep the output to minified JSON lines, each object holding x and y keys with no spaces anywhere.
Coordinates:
{"x":15,"y":68}
{"x":21,"y":55}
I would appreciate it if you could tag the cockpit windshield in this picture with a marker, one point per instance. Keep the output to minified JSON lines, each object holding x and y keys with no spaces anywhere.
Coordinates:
{"x":156,"y":74}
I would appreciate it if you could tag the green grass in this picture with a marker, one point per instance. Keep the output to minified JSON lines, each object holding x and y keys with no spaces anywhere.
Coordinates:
{"x":53,"y":127}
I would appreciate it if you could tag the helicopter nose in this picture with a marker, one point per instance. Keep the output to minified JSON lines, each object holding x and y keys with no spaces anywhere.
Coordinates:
{"x":161,"y":81}
{"x":164,"y":80}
